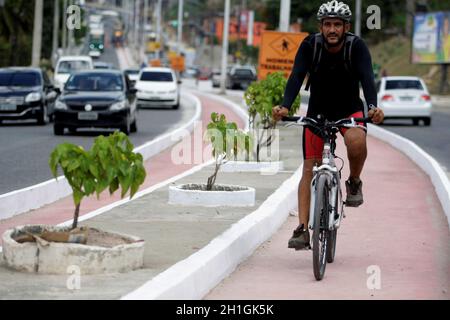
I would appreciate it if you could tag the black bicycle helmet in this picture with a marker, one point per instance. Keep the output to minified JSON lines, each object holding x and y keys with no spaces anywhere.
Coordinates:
{"x":334,"y":9}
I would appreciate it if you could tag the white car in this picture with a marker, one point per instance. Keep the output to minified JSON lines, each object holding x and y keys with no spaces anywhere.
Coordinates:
{"x":68,"y":65}
{"x":405,"y":98}
{"x":158,"y":87}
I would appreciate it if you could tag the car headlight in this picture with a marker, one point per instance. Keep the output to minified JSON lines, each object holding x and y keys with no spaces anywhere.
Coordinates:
{"x":60,"y":105}
{"x":100,"y":46}
{"x":33,"y":97}
{"x":118,"y":106}
{"x":92,"y":46}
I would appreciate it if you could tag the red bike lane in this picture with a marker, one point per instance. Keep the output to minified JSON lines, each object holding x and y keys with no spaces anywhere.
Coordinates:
{"x":159,"y":168}
{"x":395,"y":246}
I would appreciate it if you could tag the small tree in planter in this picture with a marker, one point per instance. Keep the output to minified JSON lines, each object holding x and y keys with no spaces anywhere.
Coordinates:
{"x":110,"y":163}
{"x":227,"y":142}
{"x":261,"y":97}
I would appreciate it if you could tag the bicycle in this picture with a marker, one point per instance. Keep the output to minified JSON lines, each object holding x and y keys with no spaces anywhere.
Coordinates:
{"x":326,"y":205}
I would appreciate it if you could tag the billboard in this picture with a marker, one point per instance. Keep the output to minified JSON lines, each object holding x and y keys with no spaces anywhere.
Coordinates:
{"x":431,"y":38}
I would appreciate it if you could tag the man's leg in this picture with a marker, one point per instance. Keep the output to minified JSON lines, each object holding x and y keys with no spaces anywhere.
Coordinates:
{"x":304,"y":191}
{"x":355,"y":140}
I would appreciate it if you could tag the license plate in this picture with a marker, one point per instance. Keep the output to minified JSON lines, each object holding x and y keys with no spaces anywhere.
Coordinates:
{"x":87,"y":116}
{"x":8,"y":107}
{"x":406,"y":98}
{"x":154,"y":98}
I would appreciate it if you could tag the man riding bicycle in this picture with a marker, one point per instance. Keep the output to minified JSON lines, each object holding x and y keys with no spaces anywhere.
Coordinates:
{"x":335,"y":73}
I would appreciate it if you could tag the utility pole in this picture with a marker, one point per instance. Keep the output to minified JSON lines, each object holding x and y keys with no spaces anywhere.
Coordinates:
{"x":144,"y":24}
{"x":226,"y":24}
{"x":64,"y":27}
{"x":285,"y":15}
{"x":71,"y":33}
{"x":37,"y":32}
{"x":180,"y":25}
{"x":358,"y":18}
{"x":55,"y":30}
{"x":410,"y":11}
{"x":158,"y":27}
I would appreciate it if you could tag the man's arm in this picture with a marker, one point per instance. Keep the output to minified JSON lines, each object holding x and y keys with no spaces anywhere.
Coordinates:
{"x":302,"y":63}
{"x":363,"y":63}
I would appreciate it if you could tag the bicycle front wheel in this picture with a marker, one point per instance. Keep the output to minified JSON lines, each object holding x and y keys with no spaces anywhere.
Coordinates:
{"x":320,"y":232}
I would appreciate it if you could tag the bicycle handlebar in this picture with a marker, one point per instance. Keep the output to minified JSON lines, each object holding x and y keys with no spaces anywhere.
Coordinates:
{"x":340,"y":123}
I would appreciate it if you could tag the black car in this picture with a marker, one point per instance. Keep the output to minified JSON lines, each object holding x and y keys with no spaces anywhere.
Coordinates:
{"x":26,"y":93}
{"x":100,"y":98}
{"x":240,"y":77}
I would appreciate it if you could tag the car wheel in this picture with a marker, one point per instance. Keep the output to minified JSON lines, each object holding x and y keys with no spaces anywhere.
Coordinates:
{"x":58,"y":130}
{"x":133,"y":127}
{"x":72,"y":130}
{"x":43,"y":116}
{"x":427,"y":121}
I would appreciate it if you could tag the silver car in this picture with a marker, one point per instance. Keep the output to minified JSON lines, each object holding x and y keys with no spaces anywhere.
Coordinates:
{"x":405,"y":98}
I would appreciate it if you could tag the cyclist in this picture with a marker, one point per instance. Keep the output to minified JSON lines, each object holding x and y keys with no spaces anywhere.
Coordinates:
{"x":335,"y":95}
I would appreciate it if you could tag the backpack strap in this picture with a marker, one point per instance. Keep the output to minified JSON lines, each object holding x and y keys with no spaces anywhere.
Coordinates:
{"x":317,"y":55}
{"x":349,"y":40}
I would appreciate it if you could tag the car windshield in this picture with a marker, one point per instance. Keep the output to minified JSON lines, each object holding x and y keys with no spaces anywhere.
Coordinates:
{"x":72,"y":66}
{"x":403,"y":84}
{"x":157,"y":76}
{"x":243,"y":72}
{"x":19,"y":79}
{"x":132,"y":72}
{"x":95,"y":82}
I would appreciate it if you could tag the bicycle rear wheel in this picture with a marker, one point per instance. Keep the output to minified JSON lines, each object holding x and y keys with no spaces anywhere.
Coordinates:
{"x":320,"y":233}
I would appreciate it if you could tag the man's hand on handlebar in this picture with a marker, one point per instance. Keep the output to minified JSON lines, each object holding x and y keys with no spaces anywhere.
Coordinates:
{"x":279,"y":112}
{"x":377,"y":115}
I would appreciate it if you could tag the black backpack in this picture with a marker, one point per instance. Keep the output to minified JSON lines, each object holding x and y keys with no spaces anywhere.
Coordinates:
{"x":317,"y":55}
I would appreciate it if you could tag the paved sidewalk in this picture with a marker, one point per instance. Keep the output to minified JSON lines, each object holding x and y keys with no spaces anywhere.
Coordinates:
{"x":172,"y":233}
{"x":401,"y":228}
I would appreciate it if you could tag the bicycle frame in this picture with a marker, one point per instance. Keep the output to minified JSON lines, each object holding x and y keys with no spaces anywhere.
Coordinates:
{"x":329,"y":169}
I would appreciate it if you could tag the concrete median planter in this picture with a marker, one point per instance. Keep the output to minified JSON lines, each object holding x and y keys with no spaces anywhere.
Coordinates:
{"x":104,"y":252}
{"x":221,"y":195}
{"x":263,"y":167}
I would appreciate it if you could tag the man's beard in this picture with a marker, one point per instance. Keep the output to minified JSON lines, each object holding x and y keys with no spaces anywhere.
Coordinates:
{"x":337,"y":44}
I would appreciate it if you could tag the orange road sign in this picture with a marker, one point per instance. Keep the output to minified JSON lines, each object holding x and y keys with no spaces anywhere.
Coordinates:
{"x":177,"y":63}
{"x":155,"y":63}
{"x":277,"y":52}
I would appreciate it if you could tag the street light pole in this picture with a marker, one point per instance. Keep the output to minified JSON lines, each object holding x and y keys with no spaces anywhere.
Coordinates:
{"x":158,"y":27}
{"x":180,"y":24}
{"x":64,"y":26}
{"x":358,"y":18}
{"x":144,"y":24}
{"x":226,"y":24}
{"x":285,"y":15}
{"x":55,"y":30}
{"x":37,"y":32}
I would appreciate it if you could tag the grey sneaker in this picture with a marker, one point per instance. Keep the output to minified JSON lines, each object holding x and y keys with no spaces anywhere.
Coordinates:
{"x":300,"y":239}
{"x":354,"y":193}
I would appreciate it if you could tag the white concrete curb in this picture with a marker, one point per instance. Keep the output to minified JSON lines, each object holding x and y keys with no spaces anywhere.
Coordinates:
{"x":238,"y":198}
{"x":34,"y":197}
{"x":427,"y":163}
{"x":195,"y":276}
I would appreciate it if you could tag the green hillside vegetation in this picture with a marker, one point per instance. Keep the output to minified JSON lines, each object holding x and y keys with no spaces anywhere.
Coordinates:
{"x":394,"y":55}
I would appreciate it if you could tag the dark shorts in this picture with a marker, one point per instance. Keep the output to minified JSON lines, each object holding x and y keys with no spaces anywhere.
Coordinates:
{"x":313,"y":144}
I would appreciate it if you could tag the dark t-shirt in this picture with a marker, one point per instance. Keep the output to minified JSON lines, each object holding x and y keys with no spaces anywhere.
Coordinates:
{"x":334,"y":89}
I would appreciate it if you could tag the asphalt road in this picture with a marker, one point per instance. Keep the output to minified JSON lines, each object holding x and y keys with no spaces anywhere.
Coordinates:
{"x":25,"y":147}
{"x":434,"y":139}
